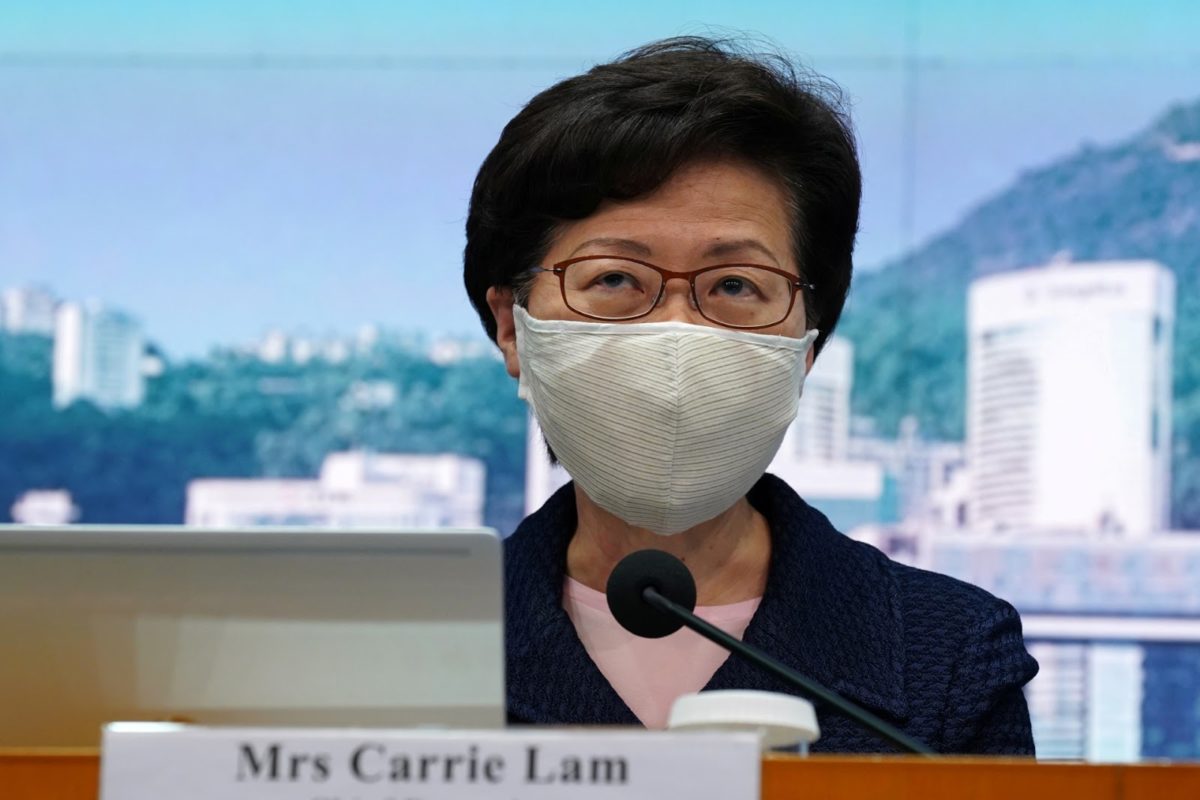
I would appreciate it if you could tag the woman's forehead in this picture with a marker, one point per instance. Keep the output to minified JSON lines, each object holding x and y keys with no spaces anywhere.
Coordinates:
{"x":705,"y":210}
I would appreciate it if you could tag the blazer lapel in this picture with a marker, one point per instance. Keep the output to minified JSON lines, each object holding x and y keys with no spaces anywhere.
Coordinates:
{"x":551,"y":678}
{"x":829,"y":611}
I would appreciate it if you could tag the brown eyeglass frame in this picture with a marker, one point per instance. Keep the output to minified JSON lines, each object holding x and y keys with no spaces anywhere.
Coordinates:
{"x":560,"y":269}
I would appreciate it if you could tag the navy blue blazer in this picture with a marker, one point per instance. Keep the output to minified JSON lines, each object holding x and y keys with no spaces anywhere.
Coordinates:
{"x":939,"y":658}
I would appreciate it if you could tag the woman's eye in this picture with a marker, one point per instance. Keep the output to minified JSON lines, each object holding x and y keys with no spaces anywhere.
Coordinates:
{"x":735,"y":286}
{"x":615,"y":280}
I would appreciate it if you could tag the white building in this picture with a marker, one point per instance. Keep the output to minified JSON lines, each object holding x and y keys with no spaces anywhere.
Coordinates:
{"x":97,"y":357}
{"x":354,"y":490}
{"x":273,"y":349}
{"x":1069,"y":397}
{"x":812,"y":457}
{"x":822,"y":427}
{"x":928,"y":475}
{"x":27,"y":310}
{"x":1085,"y":702}
{"x":45,"y":507}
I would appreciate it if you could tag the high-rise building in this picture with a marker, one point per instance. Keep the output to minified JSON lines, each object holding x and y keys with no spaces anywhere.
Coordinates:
{"x":1069,"y":398}
{"x":1057,"y":699}
{"x":97,"y":357}
{"x":822,"y":427}
{"x":1086,"y":701}
{"x":354,"y":490}
{"x":28,"y":309}
{"x":815,"y":457}
{"x":1115,"y":701}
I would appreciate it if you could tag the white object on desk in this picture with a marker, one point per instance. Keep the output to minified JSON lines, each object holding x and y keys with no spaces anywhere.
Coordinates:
{"x":783,"y":720}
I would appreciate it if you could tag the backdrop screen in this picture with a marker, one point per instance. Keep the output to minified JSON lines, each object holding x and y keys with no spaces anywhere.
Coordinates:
{"x":231,"y":294}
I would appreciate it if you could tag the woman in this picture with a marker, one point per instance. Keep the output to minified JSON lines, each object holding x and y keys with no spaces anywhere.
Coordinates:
{"x":660,"y":247}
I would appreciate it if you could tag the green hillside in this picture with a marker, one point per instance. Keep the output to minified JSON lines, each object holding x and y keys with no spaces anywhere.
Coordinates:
{"x":231,"y":415}
{"x":1136,"y":199}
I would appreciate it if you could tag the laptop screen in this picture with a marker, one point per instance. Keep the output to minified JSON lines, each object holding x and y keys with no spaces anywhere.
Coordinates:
{"x":261,"y":627}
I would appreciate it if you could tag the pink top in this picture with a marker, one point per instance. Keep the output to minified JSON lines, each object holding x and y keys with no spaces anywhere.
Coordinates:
{"x":648,"y":674}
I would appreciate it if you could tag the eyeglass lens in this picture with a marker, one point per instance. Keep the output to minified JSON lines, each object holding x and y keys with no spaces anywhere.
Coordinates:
{"x":741,"y":296}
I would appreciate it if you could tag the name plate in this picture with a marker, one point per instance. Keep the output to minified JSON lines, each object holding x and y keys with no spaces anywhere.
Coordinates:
{"x":154,"y":761}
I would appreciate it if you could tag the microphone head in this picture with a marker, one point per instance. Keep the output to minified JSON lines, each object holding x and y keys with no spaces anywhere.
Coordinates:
{"x":639,"y":571}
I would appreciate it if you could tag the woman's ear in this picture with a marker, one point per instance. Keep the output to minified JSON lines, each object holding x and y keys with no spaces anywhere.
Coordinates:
{"x":500,"y":301}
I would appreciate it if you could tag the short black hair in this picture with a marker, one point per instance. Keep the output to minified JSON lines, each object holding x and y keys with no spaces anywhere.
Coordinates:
{"x":620,"y":130}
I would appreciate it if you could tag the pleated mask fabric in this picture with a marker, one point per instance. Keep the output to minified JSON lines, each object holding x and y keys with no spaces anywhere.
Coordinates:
{"x":663,"y":424}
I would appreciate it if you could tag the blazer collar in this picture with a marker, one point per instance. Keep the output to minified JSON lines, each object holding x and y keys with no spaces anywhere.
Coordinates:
{"x":830,"y":611}
{"x":551,"y":678}
{"x":831,"y":608}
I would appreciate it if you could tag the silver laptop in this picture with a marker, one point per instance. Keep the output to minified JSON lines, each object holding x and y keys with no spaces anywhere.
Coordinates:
{"x":261,"y":627}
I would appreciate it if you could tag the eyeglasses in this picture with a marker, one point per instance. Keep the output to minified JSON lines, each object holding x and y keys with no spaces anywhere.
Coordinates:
{"x":615,"y":289}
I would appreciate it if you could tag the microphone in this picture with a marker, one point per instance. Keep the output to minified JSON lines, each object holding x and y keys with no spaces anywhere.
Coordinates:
{"x":652,"y":594}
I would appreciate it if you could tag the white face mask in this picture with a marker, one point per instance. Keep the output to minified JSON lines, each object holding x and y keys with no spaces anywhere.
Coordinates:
{"x":663,"y":424}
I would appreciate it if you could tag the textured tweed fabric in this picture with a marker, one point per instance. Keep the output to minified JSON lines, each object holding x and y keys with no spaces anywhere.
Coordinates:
{"x":939,"y":658}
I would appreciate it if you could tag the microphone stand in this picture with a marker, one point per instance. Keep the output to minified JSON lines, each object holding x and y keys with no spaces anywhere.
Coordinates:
{"x":819,"y":693}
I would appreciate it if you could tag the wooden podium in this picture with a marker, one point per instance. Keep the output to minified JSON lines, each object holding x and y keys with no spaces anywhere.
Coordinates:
{"x":75,"y":775}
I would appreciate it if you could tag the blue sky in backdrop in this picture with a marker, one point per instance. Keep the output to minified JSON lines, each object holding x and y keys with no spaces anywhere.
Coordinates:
{"x":223,"y":168}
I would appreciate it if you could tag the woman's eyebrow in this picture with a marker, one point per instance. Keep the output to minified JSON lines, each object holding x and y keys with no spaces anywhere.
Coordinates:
{"x":628,"y":245}
{"x":716,"y":250}
{"x":720,"y":249}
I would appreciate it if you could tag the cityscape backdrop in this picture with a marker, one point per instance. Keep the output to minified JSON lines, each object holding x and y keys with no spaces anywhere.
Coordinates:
{"x":230,"y":245}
